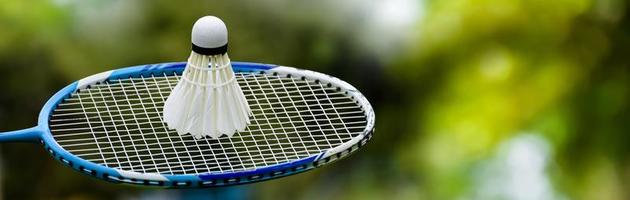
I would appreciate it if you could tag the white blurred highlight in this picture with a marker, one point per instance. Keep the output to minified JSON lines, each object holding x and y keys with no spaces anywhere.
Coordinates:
{"x":518,"y":171}
{"x":390,"y":26}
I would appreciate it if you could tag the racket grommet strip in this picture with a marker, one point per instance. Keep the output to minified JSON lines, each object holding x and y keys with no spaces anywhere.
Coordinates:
{"x":182,"y":183}
{"x":158,"y":183}
{"x":299,"y":168}
{"x":232,"y":180}
{"x":276,"y":173}
{"x":51,"y":151}
{"x":208,"y":183}
{"x":255,"y":177}
{"x":65,"y":161}
{"x":112,"y":178}
{"x":87,"y":171}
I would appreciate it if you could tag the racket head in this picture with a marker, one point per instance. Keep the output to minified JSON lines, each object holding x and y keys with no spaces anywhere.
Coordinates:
{"x":208,"y":179}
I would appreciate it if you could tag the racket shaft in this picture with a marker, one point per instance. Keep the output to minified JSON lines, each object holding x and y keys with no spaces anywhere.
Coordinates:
{"x":24,"y":135}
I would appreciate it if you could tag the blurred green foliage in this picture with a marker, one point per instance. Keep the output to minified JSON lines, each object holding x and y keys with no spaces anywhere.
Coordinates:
{"x":462,"y":89}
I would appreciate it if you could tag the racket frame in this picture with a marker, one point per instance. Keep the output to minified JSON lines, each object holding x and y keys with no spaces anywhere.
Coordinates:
{"x":41,"y":133}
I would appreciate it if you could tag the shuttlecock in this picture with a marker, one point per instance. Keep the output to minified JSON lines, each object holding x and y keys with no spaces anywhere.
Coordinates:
{"x":207,"y":100}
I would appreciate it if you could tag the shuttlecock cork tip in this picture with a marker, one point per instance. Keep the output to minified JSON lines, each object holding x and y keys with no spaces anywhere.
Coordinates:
{"x":209,"y":36}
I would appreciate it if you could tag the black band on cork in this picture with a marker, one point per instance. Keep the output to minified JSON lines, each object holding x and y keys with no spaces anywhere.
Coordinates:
{"x":209,"y":51}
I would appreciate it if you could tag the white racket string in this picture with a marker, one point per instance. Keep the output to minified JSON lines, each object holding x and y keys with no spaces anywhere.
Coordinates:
{"x":119,"y":124}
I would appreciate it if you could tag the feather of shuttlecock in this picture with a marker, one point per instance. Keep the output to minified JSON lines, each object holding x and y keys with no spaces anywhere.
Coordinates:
{"x":207,"y":100}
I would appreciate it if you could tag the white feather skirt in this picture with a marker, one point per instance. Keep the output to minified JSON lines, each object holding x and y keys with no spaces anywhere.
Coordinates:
{"x":207,"y":100}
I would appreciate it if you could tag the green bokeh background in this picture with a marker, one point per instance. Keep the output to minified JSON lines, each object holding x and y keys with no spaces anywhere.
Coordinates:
{"x":474,"y":99}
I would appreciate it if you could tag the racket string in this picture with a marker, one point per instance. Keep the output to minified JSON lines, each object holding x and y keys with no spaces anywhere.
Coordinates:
{"x":257,"y":83}
{"x":118,"y":124}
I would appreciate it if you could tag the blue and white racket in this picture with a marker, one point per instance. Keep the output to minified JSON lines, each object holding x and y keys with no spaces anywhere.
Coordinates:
{"x":110,"y":126}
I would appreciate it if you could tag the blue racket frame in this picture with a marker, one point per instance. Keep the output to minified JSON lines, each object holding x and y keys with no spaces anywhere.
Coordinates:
{"x":42,"y":134}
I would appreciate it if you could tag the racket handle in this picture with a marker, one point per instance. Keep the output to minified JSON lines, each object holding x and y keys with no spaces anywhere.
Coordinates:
{"x":24,"y":135}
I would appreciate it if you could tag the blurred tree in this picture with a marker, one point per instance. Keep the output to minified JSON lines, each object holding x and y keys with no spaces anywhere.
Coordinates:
{"x":456,"y":84}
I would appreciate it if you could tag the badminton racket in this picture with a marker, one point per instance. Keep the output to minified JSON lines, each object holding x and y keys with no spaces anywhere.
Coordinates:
{"x":109,"y":126}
